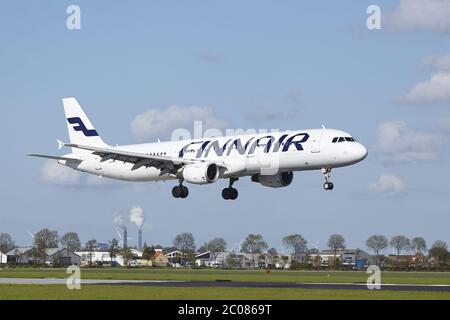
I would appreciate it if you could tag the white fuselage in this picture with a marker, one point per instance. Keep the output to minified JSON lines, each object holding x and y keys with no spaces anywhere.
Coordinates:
{"x":241,"y":155}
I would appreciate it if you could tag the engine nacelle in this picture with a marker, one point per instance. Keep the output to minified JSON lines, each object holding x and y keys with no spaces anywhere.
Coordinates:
{"x":201,"y":173}
{"x":281,"y":179}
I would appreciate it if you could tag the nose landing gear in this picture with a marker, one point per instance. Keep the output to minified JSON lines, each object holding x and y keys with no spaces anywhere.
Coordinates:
{"x":230,"y":193}
{"x":180,"y":191}
{"x":327,"y":174}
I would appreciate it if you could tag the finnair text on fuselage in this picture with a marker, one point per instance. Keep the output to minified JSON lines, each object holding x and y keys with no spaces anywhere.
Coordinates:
{"x":269,"y":143}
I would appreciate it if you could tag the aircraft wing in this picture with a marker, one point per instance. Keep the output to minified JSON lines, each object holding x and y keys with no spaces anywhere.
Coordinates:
{"x":51,"y":157}
{"x":165,"y":163}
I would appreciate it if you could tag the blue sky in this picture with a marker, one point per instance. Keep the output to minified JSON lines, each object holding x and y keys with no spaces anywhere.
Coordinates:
{"x":252,"y":64}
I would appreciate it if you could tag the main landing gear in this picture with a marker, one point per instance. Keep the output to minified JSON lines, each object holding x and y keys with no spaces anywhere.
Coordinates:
{"x":327,"y":174}
{"x":230,"y":193}
{"x":180,"y":191}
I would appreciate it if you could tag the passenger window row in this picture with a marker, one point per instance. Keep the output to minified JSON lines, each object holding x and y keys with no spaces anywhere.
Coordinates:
{"x":157,"y":154}
{"x":342,"y":139}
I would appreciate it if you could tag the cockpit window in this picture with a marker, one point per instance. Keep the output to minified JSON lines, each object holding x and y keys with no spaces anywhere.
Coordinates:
{"x":343,"y":139}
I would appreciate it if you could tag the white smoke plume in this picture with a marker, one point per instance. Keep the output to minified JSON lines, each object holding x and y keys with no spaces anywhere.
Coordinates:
{"x":119,"y":221}
{"x":137,"y":216}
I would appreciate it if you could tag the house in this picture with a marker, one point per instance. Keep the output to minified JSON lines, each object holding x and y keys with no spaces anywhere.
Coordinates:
{"x":159,"y":259}
{"x":53,"y":256}
{"x":233,"y":260}
{"x":103,"y":258}
{"x":401,"y":261}
{"x":21,"y":255}
{"x":347,"y":258}
{"x":99,"y":258}
{"x":174,"y":257}
{"x":204,"y":259}
{"x":209,"y":259}
{"x":277,"y":261}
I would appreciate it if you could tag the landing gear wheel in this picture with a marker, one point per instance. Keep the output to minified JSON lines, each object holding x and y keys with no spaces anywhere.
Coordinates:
{"x":328,"y":186}
{"x":230,"y":193}
{"x":234,"y":194}
{"x":226,"y":194}
{"x":180,"y":191}
{"x":184,"y":192}
{"x":176,"y":192}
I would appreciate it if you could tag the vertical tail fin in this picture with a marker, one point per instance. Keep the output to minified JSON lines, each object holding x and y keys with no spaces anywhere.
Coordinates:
{"x":81,"y":130}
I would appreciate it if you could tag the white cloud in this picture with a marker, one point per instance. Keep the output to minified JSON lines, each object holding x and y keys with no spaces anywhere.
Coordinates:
{"x":437,"y":89}
{"x":156,"y":123}
{"x":438,"y":63}
{"x":387,"y":184}
{"x":56,"y":174}
{"x":396,"y":142}
{"x":421,"y":15}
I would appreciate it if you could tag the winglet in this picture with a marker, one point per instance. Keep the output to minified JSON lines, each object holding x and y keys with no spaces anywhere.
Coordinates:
{"x":60,"y":144}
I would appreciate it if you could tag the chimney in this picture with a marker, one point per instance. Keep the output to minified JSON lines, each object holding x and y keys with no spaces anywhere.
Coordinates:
{"x":140,"y":239}
{"x":125,"y":238}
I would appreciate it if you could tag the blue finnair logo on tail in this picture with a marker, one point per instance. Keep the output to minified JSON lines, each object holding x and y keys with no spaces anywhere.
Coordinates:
{"x":81,"y":127}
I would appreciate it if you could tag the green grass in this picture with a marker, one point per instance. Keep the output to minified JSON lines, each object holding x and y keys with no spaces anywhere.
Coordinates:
{"x":234,"y":275}
{"x":94,"y":292}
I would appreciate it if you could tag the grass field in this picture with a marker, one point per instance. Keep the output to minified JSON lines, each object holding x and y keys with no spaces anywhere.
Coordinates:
{"x":99,"y":292}
{"x":235,"y":275}
{"x":51,"y":292}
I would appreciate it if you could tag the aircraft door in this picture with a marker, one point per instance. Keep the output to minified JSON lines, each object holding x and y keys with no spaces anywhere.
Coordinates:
{"x":315,"y":144}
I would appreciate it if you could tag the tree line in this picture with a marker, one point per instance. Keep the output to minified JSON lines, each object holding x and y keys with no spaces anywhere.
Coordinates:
{"x":253,"y":244}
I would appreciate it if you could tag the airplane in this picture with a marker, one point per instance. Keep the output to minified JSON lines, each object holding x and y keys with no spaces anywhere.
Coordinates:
{"x":269,"y":159}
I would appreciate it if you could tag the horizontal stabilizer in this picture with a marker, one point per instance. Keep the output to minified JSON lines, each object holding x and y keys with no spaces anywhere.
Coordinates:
{"x":52,"y":157}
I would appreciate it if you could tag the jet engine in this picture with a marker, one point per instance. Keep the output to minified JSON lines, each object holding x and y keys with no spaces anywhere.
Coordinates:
{"x":201,"y":173}
{"x":281,"y":179}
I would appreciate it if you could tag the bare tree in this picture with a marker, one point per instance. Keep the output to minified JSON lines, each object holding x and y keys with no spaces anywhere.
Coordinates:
{"x":336,"y":242}
{"x":399,"y":243}
{"x":296,"y":243}
{"x":43,"y":240}
{"x":440,"y":244}
{"x":233,"y":261}
{"x":185,"y":243}
{"x":113,"y":249}
{"x":273,"y":255}
{"x":418,"y":244}
{"x":71,"y":241}
{"x":215,"y":246}
{"x":6,"y":243}
{"x":439,"y":251}
{"x":254,"y":244}
{"x":90,"y":246}
{"x":376,"y":243}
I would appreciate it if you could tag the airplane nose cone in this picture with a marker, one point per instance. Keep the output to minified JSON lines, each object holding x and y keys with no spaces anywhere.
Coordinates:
{"x":361,"y":152}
